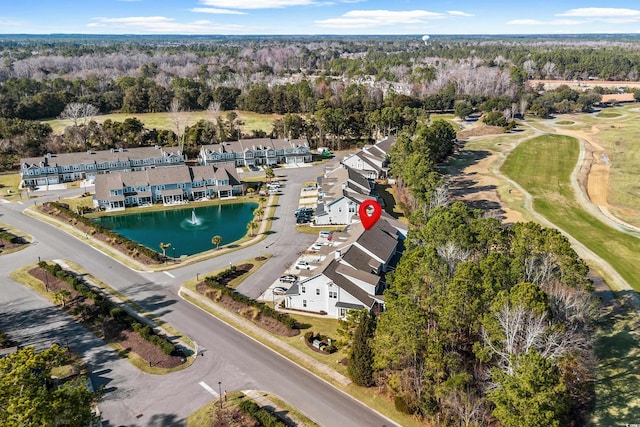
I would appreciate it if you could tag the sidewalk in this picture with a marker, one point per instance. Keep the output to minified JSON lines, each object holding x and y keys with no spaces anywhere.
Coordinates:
{"x":289,"y":352}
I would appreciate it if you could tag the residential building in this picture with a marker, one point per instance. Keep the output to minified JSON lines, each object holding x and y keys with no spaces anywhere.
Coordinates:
{"x":256,"y":152}
{"x":170,"y":185}
{"x":67,"y":167}
{"x":340,"y":193}
{"x":373,"y":160}
{"x":353,"y":278}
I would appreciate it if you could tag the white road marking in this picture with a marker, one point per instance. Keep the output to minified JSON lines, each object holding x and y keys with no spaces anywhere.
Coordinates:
{"x":20,"y":203}
{"x":169,"y":274}
{"x":208,"y":388}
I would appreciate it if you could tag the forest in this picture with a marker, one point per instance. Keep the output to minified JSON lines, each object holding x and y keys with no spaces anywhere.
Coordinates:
{"x":342,"y":91}
{"x":484,"y":323}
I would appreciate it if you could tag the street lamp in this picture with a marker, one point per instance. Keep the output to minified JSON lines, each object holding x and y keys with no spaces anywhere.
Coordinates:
{"x":220,"y":392}
{"x":174,"y":255}
{"x":197,"y":277}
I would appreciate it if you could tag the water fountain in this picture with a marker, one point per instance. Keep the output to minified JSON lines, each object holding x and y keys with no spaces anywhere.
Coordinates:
{"x":194,"y":219}
{"x":188,"y":233}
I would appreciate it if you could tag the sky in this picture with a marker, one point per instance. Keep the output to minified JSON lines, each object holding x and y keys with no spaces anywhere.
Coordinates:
{"x":232,"y":17}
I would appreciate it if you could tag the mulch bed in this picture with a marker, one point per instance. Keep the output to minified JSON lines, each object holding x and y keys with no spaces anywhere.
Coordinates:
{"x":111,"y":331}
{"x":91,"y":231}
{"x":6,"y":245}
{"x":268,"y":323}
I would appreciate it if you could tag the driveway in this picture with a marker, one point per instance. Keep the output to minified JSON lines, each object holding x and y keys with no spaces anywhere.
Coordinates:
{"x":134,"y":398}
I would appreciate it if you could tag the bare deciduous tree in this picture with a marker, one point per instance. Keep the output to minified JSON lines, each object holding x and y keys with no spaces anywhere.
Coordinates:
{"x":79,"y":113}
{"x":453,"y":254}
{"x":180,"y":121}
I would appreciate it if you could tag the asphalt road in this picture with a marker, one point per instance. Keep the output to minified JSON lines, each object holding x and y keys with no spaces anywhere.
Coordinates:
{"x":135,"y":398}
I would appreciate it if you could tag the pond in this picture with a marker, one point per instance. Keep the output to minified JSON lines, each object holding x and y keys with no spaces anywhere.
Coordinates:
{"x":188,"y":230}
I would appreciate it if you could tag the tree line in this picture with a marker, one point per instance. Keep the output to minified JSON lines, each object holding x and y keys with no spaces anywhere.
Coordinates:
{"x":484,"y":323}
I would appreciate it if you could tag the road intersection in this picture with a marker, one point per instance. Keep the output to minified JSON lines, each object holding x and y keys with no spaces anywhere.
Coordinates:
{"x":135,"y":398}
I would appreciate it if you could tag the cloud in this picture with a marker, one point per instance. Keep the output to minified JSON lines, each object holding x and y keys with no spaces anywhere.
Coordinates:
{"x":377,"y":18}
{"x":216,"y":11}
{"x":458,"y":13}
{"x":553,"y":22}
{"x":601,"y":12}
{"x":257,"y":4}
{"x":8,"y":22}
{"x":161,"y":25}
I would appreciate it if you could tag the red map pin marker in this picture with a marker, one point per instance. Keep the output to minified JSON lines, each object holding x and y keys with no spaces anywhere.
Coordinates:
{"x":369,"y":212}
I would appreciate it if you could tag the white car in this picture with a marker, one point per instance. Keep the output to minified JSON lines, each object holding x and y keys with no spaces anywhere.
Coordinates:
{"x":279,"y":290}
{"x":316,"y":246}
{"x":302,"y":265}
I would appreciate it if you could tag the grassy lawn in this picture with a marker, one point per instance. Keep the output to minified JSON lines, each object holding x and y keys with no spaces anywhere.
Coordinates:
{"x":543,"y":166}
{"x":251,"y":121}
{"x":618,"y":351}
{"x":9,"y":183}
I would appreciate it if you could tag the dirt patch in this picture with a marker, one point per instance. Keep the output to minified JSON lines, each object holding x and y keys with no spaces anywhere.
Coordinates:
{"x":85,"y":312}
{"x":480,"y":130}
{"x":475,"y":185}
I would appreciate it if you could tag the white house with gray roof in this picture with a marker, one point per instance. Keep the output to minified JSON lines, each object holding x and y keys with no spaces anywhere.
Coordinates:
{"x":352,"y":277}
{"x":372,"y":161}
{"x":67,"y":167}
{"x":341,"y":192}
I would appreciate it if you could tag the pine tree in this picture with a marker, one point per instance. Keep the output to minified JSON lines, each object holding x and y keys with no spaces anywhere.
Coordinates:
{"x":360,"y":366}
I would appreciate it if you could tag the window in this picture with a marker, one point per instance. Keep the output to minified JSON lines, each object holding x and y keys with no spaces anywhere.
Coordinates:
{"x":304,"y":302}
{"x":317,"y":291}
{"x":303,"y":289}
{"x":333,"y":294}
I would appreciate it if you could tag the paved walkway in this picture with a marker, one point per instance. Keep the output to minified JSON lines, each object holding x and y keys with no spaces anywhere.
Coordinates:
{"x":287,"y":350}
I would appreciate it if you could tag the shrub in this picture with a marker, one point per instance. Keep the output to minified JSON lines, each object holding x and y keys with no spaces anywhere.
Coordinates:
{"x":401,"y":405}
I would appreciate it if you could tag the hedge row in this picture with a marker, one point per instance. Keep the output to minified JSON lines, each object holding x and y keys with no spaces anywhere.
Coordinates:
{"x":264,"y":417}
{"x":214,"y":283}
{"x":9,"y":237}
{"x":148,"y":334}
{"x":117,"y":238}
{"x":108,"y":308}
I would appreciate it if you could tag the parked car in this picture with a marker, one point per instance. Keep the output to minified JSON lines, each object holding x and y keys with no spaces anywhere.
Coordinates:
{"x":302,"y":265}
{"x":279,"y":290}
{"x":271,"y":185}
{"x":303,"y":211}
{"x":308,"y":188}
{"x":325,"y":234}
{"x":289,"y":278}
{"x":303,"y":219}
{"x":316,"y":246}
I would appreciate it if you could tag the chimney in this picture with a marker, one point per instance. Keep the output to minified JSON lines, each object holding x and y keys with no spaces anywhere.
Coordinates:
{"x":338,"y":254}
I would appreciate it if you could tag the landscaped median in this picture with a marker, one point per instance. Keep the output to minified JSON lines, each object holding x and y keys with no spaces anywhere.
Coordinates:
{"x":130,"y":334}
